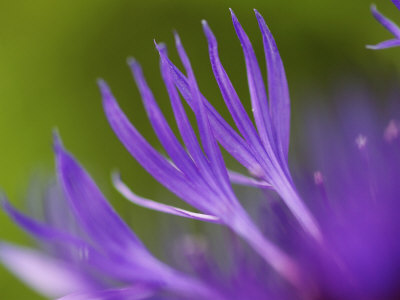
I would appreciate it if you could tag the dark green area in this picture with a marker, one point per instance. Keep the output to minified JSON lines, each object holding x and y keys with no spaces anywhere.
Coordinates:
{"x":51,"y":53}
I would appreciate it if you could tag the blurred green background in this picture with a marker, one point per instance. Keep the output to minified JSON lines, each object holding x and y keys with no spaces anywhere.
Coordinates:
{"x":52,"y":52}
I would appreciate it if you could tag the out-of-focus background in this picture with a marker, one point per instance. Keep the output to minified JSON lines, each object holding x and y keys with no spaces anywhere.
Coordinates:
{"x":52,"y":52}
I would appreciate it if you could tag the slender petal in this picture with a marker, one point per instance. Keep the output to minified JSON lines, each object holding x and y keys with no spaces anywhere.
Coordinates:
{"x":256,"y":86}
{"x":92,"y":210}
{"x":209,"y":143}
{"x":397,"y":3}
{"x":128,"y":194}
{"x":385,"y":22}
{"x":229,"y":94}
{"x":150,"y":159}
{"x":278,"y":89}
{"x":385,"y":45}
{"x":160,"y":125}
{"x":39,"y":230}
{"x":241,"y":179}
{"x":136,"y":292}
{"x":185,"y":128}
{"x":49,"y":276}
{"x":228,"y":138}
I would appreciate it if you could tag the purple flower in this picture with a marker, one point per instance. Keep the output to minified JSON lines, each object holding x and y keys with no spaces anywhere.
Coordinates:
{"x":342,"y":244}
{"x":99,"y":249}
{"x":390,"y":26}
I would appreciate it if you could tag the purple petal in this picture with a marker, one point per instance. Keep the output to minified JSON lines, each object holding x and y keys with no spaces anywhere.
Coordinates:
{"x":41,"y":231}
{"x":258,"y":93}
{"x":385,"y":45}
{"x":160,"y":125}
{"x":241,"y":179}
{"x":385,"y":22}
{"x":229,"y":94}
{"x":93,"y":212}
{"x":279,"y":100}
{"x":128,"y":194}
{"x":151,"y":160}
{"x":397,"y":3}
{"x":185,"y":128}
{"x":228,"y":138}
{"x":136,"y":292}
{"x":49,"y":276}
{"x":209,"y":143}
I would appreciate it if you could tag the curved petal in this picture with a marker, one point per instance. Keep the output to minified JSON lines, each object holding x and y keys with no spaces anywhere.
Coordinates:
{"x":258,"y":93}
{"x":279,"y":100}
{"x":150,"y":204}
{"x":385,"y":22}
{"x":150,"y":159}
{"x":210,"y":145}
{"x":385,"y":45}
{"x":47,"y":275}
{"x":160,"y":125}
{"x":241,"y":179}
{"x":397,"y":3}
{"x":136,"y":292}
{"x":228,"y":137}
{"x":39,"y":230}
{"x":102,"y":224}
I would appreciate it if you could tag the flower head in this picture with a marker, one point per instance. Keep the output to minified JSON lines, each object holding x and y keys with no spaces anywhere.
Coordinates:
{"x":342,"y":244}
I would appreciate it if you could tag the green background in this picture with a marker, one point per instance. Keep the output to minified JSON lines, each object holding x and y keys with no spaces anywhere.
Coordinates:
{"x":52,"y":52}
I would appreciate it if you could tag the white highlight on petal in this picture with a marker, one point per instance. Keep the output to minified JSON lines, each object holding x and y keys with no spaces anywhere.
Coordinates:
{"x":392,"y":131}
{"x":361,"y":141}
{"x":318,"y":178}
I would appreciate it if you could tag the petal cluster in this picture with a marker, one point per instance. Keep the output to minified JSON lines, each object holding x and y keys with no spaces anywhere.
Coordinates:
{"x":390,"y":26}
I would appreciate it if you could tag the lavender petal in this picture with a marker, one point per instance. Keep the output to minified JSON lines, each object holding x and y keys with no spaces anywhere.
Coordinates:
{"x":49,"y":276}
{"x":385,"y":22}
{"x":150,"y":204}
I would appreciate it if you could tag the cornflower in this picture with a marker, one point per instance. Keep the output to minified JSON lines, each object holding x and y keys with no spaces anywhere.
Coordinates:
{"x":342,"y":244}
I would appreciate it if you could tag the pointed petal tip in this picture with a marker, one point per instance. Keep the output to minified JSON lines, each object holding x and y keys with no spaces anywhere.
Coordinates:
{"x":208,"y":32}
{"x":233,"y":16}
{"x":159,"y":45}
{"x":115,"y":176}
{"x":178,"y":41}
{"x":57,"y":142}
{"x":131,"y":61}
{"x":3,"y":200}
{"x":103,"y":86}
{"x":105,"y":90}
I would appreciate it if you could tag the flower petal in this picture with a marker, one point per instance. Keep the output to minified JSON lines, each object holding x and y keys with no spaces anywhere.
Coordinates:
{"x":279,"y":100}
{"x":228,"y":138}
{"x":209,"y":143}
{"x":136,"y":292}
{"x":397,"y":3}
{"x":150,"y":204}
{"x":188,"y":135}
{"x":49,"y":276}
{"x":241,"y":179}
{"x":160,"y":125}
{"x":229,"y":94}
{"x":258,"y":93}
{"x":385,"y":22}
{"x":150,"y":159}
{"x":41,"y":231}
{"x":385,"y":45}
{"x":93,"y":212}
